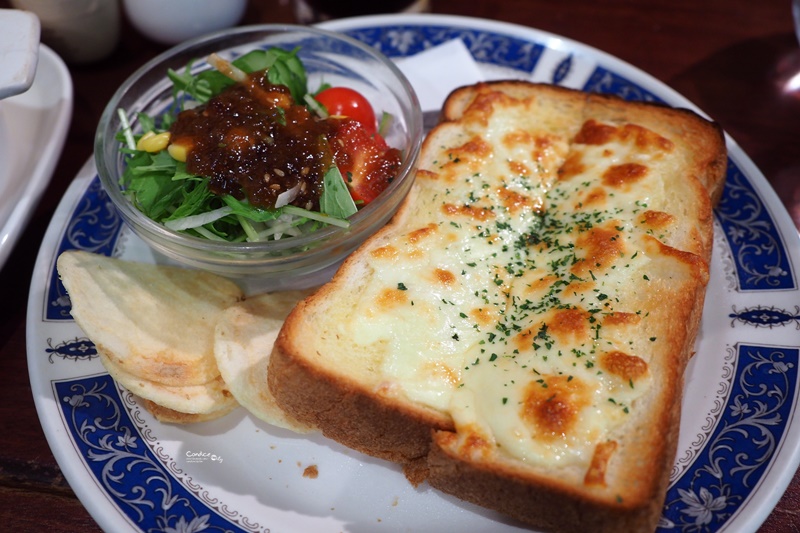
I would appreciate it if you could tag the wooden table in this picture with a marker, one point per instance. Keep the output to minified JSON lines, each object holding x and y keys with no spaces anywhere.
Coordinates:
{"x":730,"y":57}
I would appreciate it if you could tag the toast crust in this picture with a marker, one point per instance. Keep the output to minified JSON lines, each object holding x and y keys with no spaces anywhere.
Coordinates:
{"x":349,"y":404}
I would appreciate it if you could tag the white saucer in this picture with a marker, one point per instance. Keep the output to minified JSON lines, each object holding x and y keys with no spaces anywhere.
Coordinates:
{"x":19,"y":44}
{"x":33,"y":127}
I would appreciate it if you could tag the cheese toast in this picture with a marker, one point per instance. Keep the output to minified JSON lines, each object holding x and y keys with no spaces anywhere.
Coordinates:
{"x":517,"y":335}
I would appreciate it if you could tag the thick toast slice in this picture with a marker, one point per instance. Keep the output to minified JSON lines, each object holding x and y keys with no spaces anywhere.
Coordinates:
{"x":517,"y":334}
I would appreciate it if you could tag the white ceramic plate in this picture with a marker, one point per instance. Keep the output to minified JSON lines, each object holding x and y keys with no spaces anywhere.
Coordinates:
{"x":740,"y":434}
{"x":33,"y":127}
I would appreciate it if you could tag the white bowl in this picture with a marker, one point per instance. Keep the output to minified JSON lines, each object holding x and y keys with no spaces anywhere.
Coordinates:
{"x":175,"y":21}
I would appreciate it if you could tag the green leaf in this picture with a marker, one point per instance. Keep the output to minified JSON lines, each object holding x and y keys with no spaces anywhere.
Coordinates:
{"x":154,"y":193}
{"x":335,"y":199}
{"x":159,"y":162}
{"x":287,"y":69}
{"x":195,"y":199}
{"x":185,"y":84}
{"x":255,"y":60}
{"x":146,"y":122}
{"x":244,"y":209}
{"x":385,"y":123}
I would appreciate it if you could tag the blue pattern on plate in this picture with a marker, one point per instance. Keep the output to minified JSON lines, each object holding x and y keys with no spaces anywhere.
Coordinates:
{"x":94,"y":226}
{"x":607,"y":82}
{"x":130,"y":474}
{"x":759,"y":253}
{"x":767,"y":317}
{"x":405,"y":40}
{"x":77,"y":349}
{"x":728,"y":468}
{"x":742,"y":445}
{"x":562,"y":70}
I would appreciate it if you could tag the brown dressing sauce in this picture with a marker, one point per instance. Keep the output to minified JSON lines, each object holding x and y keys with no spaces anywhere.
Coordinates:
{"x":254,"y":142}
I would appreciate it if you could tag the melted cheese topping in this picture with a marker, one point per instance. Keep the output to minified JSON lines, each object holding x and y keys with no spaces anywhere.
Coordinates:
{"x":509,"y":304}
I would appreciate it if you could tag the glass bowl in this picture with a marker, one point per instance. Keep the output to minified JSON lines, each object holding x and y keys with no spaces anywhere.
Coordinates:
{"x":291,"y":261}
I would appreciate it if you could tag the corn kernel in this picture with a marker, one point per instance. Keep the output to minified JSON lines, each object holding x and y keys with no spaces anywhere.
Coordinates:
{"x":178,"y":152}
{"x":153,"y":142}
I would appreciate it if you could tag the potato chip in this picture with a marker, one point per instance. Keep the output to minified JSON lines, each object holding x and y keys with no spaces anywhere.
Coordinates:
{"x":168,"y":416}
{"x":212,"y":397}
{"x":243,"y":343}
{"x":156,"y":322}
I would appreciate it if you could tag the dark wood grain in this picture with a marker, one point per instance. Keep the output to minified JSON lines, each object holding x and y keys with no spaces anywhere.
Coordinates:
{"x":732,"y":58}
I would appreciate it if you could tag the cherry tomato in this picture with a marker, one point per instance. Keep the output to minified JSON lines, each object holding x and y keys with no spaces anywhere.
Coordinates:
{"x":367,"y":164}
{"x":343,"y":101}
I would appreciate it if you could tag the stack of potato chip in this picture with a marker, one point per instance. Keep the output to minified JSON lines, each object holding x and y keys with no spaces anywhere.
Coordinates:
{"x":186,"y":342}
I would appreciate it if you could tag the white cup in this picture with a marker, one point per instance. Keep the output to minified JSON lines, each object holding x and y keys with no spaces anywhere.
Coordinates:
{"x":313,"y":11}
{"x":80,"y":31}
{"x":174,"y":21}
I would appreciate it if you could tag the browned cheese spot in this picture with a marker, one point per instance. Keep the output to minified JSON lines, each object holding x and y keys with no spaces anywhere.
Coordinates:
{"x":474,"y":213}
{"x":515,"y":202}
{"x":451,"y":237}
{"x":621,"y":319}
{"x":595,"y":133}
{"x":441,"y":372}
{"x":552,"y":406}
{"x":444,"y":277}
{"x":518,"y":137}
{"x":426,"y":174}
{"x":483,"y":316}
{"x":595,"y":197}
{"x":518,"y":168}
{"x":474,"y":445}
{"x":624,"y":175}
{"x":474,"y":149}
{"x":541,"y":145}
{"x":391,"y":298}
{"x":645,"y":139}
{"x":568,"y":324}
{"x":657,"y":219}
{"x":622,"y":365}
{"x":540,"y":284}
{"x":579,"y":286}
{"x":602,"y":245}
{"x":563,"y":325}
{"x":573,"y":166}
{"x":387,"y":252}
{"x":596,"y":474}
{"x":482,"y":106}
{"x":418,"y":235}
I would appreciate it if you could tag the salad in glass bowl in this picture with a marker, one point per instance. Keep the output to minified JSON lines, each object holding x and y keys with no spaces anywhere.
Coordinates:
{"x":264,"y":151}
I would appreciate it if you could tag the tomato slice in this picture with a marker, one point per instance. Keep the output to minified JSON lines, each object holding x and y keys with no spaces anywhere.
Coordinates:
{"x":346,"y":102}
{"x":366,"y":162}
